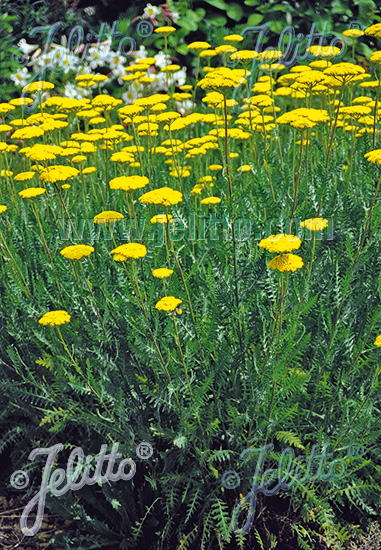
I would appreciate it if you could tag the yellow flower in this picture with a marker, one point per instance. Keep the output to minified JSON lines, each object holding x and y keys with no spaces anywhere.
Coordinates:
{"x":4,"y":173}
{"x":32,"y":192}
{"x":165,"y":31}
{"x":65,"y":186}
{"x":129,"y":251}
{"x":2,"y":208}
{"x":374,"y":156}
{"x":24,"y":176}
{"x":315,"y":224}
{"x":211,"y":200}
{"x":39,"y":86}
{"x":244,"y":55}
{"x":108,"y":216}
{"x":286,"y":262}
{"x":89,"y":170}
{"x":162,"y":272}
{"x":77,"y":251}
{"x":244,"y":168}
{"x":280,"y":243}
{"x":164,"y":196}
{"x":168,"y":303}
{"x":198,"y":46}
{"x":374,"y":30}
{"x":30,"y":132}
{"x":378,"y":341}
{"x":55,"y":318}
{"x":215,"y":167}
{"x":233,"y":38}
{"x":5,"y":108}
{"x":58,"y":172}
{"x":324,"y":52}
{"x":78,"y":158}
{"x":353,"y":33}
{"x":162,"y":218}
{"x":129,"y":183}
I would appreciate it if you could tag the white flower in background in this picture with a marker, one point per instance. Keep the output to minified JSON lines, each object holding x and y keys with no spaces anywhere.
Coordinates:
{"x":141,"y":53}
{"x":26,"y":48}
{"x":180,"y":77}
{"x":184,"y":107}
{"x":58,"y":54}
{"x":99,"y":53}
{"x":132,"y":93}
{"x":74,"y":92}
{"x":20,"y":77}
{"x":70,"y":63}
{"x":175,"y":16}
{"x":150,"y":11}
{"x":116,"y":60}
{"x":161,"y":60}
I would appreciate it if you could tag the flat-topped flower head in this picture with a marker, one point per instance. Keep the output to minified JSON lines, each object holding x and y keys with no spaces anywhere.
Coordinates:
{"x":129,"y":251}
{"x":315,"y":224}
{"x":58,"y":172}
{"x":39,"y":86}
{"x":353,"y":33}
{"x":108,"y":216}
{"x":55,"y":318}
{"x":32,"y":192}
{"x":198,"y":46}
{"x":378,"y":341}
{"x":374,"y":30}
{"x":244,"y":55}
{"x":344,"y":72}
{"x":162,"y":273}
{"x":286,"y":262}
{"x":77,"y":251}
{"x":280,"y":243}
{"x":222,"y":79}
{"x":375,"y":57}
{"x":162,"y":218}
{"x":3,"y":208}
{"x":168,"y":303}
{"x":233,"y":38}
{"x":165,"y":31}
{"x":211,"y":200}
{"x":164,"y":196}
{"x":324,"y":52}
{"x":129,"y":183}
{"x":270,"y":55}
{"x":374,"y":156}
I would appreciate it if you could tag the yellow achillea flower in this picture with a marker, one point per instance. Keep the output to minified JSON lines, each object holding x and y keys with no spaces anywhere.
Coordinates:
{"x":222,"y":79}
{"x":6,"y":173}
{"x":32,"y":192}
{"x":198,"y":46}
{"x":29,"y":132}
{"x":324,"y":52}
{"x":374,"y":156}
{"x":58,"y":172}
{"x":5,"y":108}
{"x":24,"y":176}
{"x":122,"y":157}
{"x":211,"y":200}
{"x":165,"y":31}
{"x":2,"y":208}
{"x":215,"y":167}
{"x":233,"y":38}
{"x":55,"y":318}
{"x":162,"y":218}
{"x":286,"y":262}
{"x":108,"y":216}
{"x":353,"y":33}
{"x":344,"y":72}
{"x":39,"y":86}
{"x":244,"y":168}
{"x":129,"y":183}
{"x":164,"y":196}
{"x":129,"y":251}
{"x":378,"y":341}
{"x":162,"y":273}
{"x":374,"y":30}
{"x":168,"y":303}
{"x":89,"y":170}
{"x":77,"y":251}
{"x":315,"y":224}
{"x":375,"y":57}
{"x":280,"y":243}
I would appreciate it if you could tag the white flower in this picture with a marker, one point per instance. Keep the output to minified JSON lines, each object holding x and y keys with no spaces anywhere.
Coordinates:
{"x":20,"y":77}
{"x":161,"y":60}
{"x":69,"y":63}
{"x":150,"y":11}
{"x":175,"y":16}
{"x":74,"y":91}
{"x":184,"y":107}
{"x":116,"y":60}
{"x":26,"y":48}
{"x":141,"y":53}
{"x":180,"y":77}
